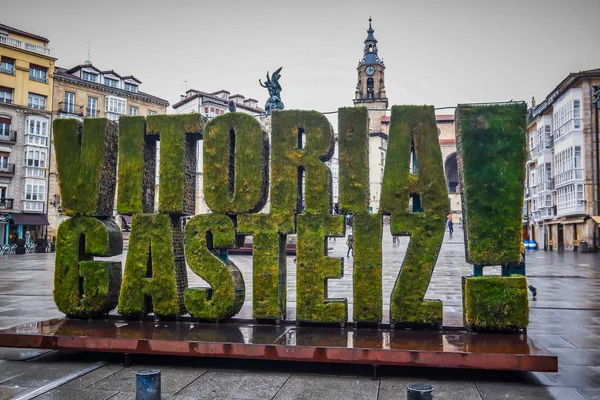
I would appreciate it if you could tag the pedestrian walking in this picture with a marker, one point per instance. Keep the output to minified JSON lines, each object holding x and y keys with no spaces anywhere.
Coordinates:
{"x":531,"y":287}
{"x":450,"y":224}
{"x":350,"y":244}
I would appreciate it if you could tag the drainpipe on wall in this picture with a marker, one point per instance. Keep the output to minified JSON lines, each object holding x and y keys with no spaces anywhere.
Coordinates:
{"x":594,"y":162}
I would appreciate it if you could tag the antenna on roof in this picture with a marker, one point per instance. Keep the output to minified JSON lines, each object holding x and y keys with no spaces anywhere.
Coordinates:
{"x":185,"y":86}
{"x":89,"y":51}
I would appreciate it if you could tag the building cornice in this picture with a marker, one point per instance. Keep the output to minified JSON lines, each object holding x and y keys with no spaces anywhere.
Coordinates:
{"x":111,"y":90}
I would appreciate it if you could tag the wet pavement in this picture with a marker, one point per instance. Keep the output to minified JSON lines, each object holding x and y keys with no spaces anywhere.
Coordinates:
{"x":565,"y":318}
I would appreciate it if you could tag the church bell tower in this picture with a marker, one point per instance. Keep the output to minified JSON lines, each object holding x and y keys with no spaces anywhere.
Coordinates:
{"x":370,"y":90}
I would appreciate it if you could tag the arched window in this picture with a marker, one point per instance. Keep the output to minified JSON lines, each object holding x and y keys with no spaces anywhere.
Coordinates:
{"x":451,"y":168}
{"x":370,"y":88}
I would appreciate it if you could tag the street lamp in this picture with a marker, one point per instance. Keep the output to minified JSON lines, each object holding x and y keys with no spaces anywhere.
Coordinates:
{"x":596,"y":101}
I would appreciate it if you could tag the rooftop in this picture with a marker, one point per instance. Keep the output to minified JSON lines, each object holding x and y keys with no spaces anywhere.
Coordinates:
{"x":192,"y":94}
{"x":22,"y":44}
{"x":19,"y":32}
{"x":67,"y":74}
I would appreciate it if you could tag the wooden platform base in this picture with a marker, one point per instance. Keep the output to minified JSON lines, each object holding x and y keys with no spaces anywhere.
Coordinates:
{"x":287,"y":342}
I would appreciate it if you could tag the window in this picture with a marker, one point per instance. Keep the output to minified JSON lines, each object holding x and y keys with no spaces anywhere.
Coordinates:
{"x":37,"y":132}
{"x":37,"y":73}
{"x":206,"y":111}
{"x":5,"y":95}
{"x":111,"y":82}
{"x":133,"y":111}
{"x":86,"y":76}
{"x":569,"y":196}
{"x":567,"y":118}
{"x":131,"y":87}
{"x":382,"y":158}
{"x":35,"y":158}
{"x":4,"y":162}
{"x":36,"y":101}
{"x":150,"y":112}
{"x":116,"y":105}
{"x":35,"y":190}
{"x":5,"y":127}
{"x":92,"y":107}
{"x":212,"y":112}
{"x":69,"y":104}
{"x":7,"y":66}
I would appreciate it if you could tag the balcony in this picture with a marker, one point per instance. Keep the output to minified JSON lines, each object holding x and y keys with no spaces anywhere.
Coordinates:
{"x":6,"y":100}
{"x":6,"y":204}
{"x":7,"y":169}
{"x":92,"y":112}
{"x":32,"y":206}
{"x":568,"y":176}
{"x":70,"y":108}
{"x":21,"y":44}
{"x":8,"y":136}
{"x":37,"y":106}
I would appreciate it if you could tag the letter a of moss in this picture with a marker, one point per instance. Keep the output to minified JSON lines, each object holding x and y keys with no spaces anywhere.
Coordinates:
{"x":291,"y":158}
{"x":137,"y":167}
{"x":313,"y":269}
{"x":367,"y":228}
{"x":415,"y":126}
{"x":86,"y":160}
{"x":491,"y":143}
{"x":236,"y":164}
{"x":225,"y":297}
{"x":153,"y":280}
{"x":177,"y":171}
{"x":85,"y":288}
{"x":495,"y":303}
{"x":269,"y":265}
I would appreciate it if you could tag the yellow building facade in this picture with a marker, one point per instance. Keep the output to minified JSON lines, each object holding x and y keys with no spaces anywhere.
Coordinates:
{"x":26,"y":88}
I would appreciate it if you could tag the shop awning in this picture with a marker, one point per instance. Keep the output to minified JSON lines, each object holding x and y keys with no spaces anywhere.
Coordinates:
{"x":596,"y":219}
{"x":30,"y":219}
{"x":573,"y":221}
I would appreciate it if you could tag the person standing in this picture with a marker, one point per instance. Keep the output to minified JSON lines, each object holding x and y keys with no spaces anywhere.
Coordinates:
{"x":450,"y":224}
{"x":350,"y":244}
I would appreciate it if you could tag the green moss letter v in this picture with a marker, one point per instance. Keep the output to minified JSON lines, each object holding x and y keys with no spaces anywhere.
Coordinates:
{"x":414,"y":127}
{"x":86,"y":158}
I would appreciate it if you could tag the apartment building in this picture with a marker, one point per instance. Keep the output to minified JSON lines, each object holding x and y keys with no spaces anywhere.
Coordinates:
{"x":26,"y":88}
{"x":561,"y":169}
{"x":86,"y":91}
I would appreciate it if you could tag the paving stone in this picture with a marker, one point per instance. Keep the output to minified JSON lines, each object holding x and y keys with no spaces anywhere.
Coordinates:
{"x":40,"y":374}
{"x":12,"y":369}
{"x":396,"y":389}
{"x":15,"y":354}
{"x":590,"y":394}
{"x":73,"y":394}
{"x":328,"y":387}
{"x":173,"y":379}
{"x":7,"y":392}
{"x":219,"y":384}
{"x":88,"y":381}
{"x":503,"y":391}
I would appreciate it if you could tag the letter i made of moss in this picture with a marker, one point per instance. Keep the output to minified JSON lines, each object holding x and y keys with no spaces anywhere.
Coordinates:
{"x":491,"y":142}
{"x":85,"y":288}
{"x":314,"y":268}
{"x":302,"y":141}
{"x":367,"y":228}
{"x":86,"y":160}
{"x":203,"y":234}
{"x":414,"y":127}
{"x":155,"y":275}
{"x":495,"y":303}
{"x":269,"y":264}
{"x":137,"y":167}
{"x":236,"y":164}
{"x":178,"y":135}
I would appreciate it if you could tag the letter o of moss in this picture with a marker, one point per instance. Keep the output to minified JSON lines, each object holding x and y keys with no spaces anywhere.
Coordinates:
{"x":236,"y":164}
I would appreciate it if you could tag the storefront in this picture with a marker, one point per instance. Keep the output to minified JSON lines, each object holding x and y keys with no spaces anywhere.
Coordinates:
{"x":25,"y":226}
{"x":4,"y":219}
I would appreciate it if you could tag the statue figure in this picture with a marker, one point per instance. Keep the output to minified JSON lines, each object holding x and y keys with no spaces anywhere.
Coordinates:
{"x":272,"y":84}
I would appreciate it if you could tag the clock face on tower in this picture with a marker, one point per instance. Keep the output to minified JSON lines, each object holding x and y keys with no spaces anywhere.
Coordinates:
{"x":370,"y":70}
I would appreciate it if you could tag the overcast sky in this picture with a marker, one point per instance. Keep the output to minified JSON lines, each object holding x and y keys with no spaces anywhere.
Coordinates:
{"x":436,"y":52}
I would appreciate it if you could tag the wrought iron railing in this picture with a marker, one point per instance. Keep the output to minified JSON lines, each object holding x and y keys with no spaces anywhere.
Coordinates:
{"x":8,"y":136}
{"x":6,"y":203}
{"x":70,"y":108}
{"x":7,"y":169}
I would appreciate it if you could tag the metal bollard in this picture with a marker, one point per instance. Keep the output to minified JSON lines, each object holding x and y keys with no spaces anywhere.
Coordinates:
{"x":147,"y":385}
{"x":419,"y":391}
